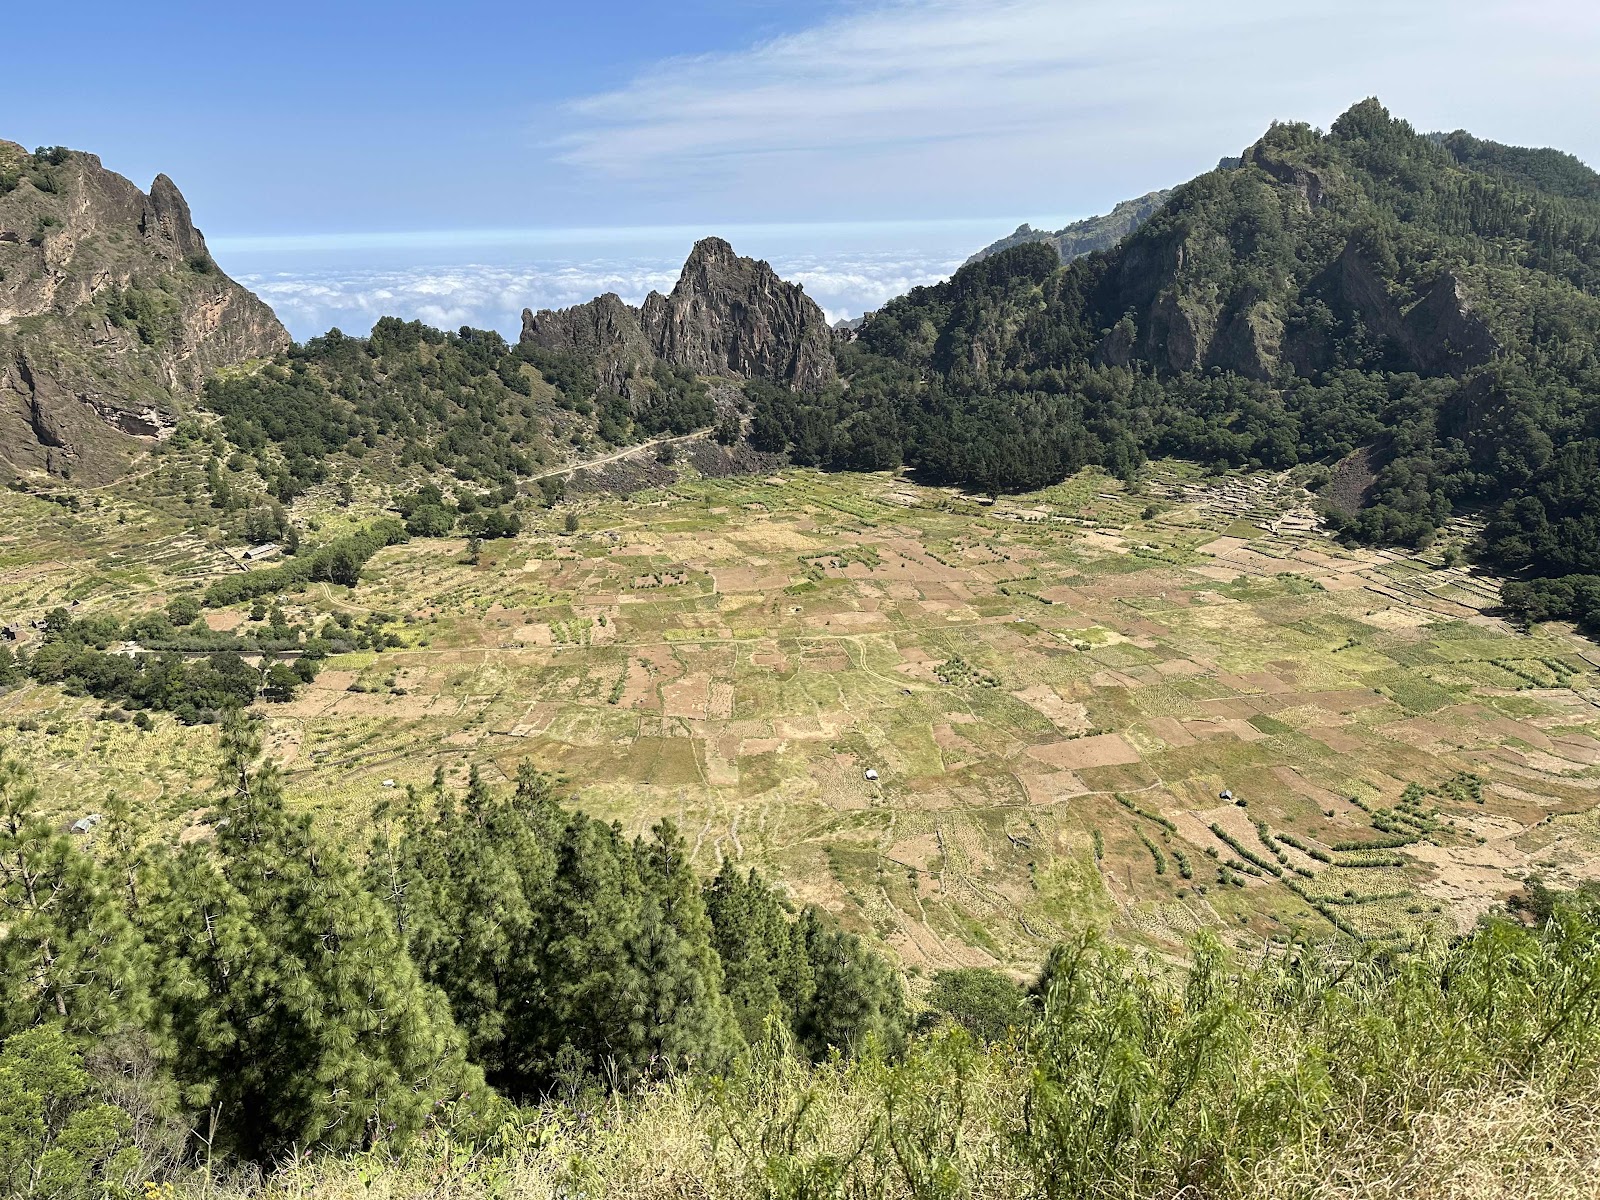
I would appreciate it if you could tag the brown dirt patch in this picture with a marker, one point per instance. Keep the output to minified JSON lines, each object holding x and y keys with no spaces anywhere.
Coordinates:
{"x":1049,"y":788}
{"x":1067,"y":716}
{"x":1103,"y":750}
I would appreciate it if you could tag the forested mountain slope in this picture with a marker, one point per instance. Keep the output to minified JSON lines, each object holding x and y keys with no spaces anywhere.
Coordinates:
{"x":112,"y":312}
{"x":469,"y":403}
{"x":1433,"y":300}
{"x":1086,"y":236}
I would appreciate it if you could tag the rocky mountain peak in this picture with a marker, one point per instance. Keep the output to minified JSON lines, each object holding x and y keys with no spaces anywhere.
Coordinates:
{"x":727,"y":315}
{"x":1086,"y":236}
{"x":708,"y":252}
{"x":171,"y":218}
{"x":112,"y":312}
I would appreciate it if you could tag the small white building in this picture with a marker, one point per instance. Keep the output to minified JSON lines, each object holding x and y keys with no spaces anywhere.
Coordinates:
{"x":257,"y":553}
{"x":872,"y":775}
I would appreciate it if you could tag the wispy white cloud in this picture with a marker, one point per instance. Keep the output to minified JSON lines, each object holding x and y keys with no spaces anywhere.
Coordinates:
{"x":946,"y":103}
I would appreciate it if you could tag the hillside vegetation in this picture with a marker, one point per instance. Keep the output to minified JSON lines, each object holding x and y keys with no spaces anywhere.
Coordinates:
{"x":256,"y":997}
{"x":1421,"y":310}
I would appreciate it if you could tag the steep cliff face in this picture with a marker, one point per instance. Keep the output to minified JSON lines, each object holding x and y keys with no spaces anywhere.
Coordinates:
{"x":726,"y":315}
{"x":1252,"y":269}
{"x":605,"y":331}
{"x":733,"y":316}
{"x":112,"y":313}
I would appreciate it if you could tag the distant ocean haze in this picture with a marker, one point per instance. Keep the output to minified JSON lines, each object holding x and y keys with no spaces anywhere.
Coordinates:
{"x":317,"y":282}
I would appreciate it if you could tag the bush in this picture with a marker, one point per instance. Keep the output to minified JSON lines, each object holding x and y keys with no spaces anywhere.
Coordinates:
{"x":339,"y":561}
{"x":183,"y":610}
{"x":56,"y":1139}
{"x":984,"y":1003}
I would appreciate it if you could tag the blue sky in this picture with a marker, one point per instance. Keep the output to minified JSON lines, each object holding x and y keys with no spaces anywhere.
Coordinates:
{"x":339,"y":144}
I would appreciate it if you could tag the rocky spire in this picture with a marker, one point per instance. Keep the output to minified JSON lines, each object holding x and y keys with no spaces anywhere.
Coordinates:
{"x":727,"y":315}
{"x":112,"y":313}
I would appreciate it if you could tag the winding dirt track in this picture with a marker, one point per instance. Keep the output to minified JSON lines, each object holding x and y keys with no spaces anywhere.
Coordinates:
{"x":626,"y":452}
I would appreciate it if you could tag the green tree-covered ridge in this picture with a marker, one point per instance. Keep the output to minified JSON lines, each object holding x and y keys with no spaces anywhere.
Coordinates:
{"x":1431,"y":300}
{"x":466,"y":403}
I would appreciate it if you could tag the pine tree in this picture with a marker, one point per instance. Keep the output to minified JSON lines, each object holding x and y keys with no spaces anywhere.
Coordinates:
{"x":591,"y":995}
{"x":68,"y":954}
{"x":857,"y":998}
{"x":765,"y":971}
{"x":687,"y":1019}
{"x":57,"y":1138}
{"x":292,"y":1005}
{"x":469,"y":884}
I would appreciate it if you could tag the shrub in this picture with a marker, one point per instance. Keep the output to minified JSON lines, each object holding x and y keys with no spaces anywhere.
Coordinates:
{"x":56,"y":1139}
{"x":984,"y":1003}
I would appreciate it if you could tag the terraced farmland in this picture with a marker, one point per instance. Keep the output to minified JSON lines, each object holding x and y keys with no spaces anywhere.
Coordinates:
{"x":1054,"y":692}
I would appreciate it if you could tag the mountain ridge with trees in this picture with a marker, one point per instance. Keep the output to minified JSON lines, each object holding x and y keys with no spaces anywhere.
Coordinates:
{"x":1085,"y":236}
{"x":1430,"y":303}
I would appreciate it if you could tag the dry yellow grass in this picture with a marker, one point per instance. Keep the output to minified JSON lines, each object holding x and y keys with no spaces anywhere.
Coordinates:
{"x":677,"y":1143}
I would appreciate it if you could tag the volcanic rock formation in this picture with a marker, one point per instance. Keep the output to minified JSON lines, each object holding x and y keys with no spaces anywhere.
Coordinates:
{"x":112,"y":313}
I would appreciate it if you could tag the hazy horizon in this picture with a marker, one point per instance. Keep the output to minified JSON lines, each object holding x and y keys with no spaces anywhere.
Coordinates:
{"x":486,"y":278}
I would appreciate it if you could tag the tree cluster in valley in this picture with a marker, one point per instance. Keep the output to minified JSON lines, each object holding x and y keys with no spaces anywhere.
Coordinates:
{"x":263,"y":976}
{"x":466,"y":403}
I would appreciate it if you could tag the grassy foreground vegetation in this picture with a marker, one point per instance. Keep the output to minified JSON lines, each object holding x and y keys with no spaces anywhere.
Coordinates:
{"x":1468,"y":1068}
{"x":510,"y":998}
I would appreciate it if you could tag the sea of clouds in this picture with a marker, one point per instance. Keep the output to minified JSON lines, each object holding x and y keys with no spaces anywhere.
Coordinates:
{"x":315,"y":284}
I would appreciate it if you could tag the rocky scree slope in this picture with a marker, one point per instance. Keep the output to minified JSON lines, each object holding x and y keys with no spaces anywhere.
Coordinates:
{"x":112,"y":313}
{"x":727,"y":315}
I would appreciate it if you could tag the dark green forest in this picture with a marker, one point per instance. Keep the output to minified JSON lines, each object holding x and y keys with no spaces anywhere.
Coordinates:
{"x":461,"y":401}
{"x":169,"y":660}
{"x":465,"y":403}
{"x":263,"y":976}
{"x":1434,"y":300}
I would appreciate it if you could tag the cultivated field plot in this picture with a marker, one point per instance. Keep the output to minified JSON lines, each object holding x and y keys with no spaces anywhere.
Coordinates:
{"x":970,"y":728}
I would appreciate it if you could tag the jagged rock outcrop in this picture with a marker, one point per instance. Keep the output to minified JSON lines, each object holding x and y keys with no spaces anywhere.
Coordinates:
{"x":733,"y":316}
{"x":1433,"y":332}
{"x":727,"y":315}
{"x":112,"y":313}
{"x":605,"y":330}
{"x":1196,"y":296}
{"x":1443,"y":332}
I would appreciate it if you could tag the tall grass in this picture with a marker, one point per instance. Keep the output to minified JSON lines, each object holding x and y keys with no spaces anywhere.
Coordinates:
{"x":1464,"y":1070}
